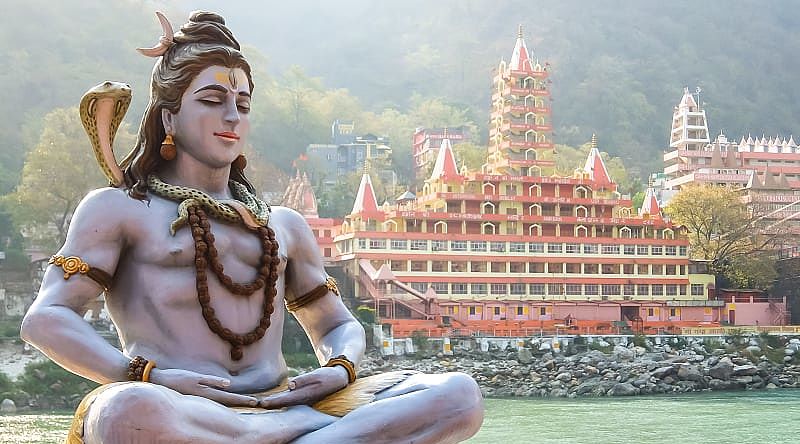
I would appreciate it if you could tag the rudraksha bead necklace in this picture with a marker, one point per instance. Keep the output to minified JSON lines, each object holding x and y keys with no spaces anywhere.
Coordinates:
{"x":206,"y":256}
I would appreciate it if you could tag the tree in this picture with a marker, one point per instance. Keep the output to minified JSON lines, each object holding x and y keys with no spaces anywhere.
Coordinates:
{"x":723,"y":231}
{"x":58,"y":172}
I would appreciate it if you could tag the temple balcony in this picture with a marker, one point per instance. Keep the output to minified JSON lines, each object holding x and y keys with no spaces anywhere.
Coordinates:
{"x":525,"y":108}
{"x":521,"y":143}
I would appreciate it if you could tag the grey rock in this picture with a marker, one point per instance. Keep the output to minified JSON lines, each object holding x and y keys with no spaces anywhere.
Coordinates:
{"x":745,"y":370}
{"x":689,"y":373}
{"x":8,"y":406}
{"x":743,"y":379}
{"x":566,"y":376}
{"x":622,"y":389}
{"x":524,"y":356}
{"x":771,"y":386}
{"x":623,"y":353}
{"x":753,"y":350}
{"x":663,"y":372}
{"x":723,"y":370}
{"x":789,"y":352}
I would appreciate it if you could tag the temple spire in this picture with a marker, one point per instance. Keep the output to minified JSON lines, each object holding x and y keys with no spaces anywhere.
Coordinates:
{"x":596,"y":168}
{"x":365,"y":198}
{"x":650,"y":205}
{"x":520,"y":58}
{"x":445,"y":166}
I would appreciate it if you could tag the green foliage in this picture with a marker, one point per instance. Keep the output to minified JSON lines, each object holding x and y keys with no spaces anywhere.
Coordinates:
{"x":9,"y":328}
{"x":301,"y":360}
{"x":768,"y":340}
{"x":16,"y":260}
{"x":713,"y":344}
{"x":5,"y":383}
{"x":640,"y":340}
{"x":58,"y":172}
{"x":421,"y":342}
{"x":295,"y":340}
{"x":605,"y":349}
{"x":734,"y":337}
{"x":48,"y":379}
{"x":722,"y":230}
{"x":366,"y":314}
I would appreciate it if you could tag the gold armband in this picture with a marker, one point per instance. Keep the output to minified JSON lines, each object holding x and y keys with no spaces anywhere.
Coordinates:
{"x":313,"y":295}
{"x":348,"y":365}
{"x":73,"y":264}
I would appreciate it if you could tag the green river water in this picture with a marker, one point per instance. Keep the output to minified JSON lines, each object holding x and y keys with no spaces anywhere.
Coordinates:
{"x":763,"y":417}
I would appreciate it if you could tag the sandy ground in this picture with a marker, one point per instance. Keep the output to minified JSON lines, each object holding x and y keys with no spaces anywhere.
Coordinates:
{"x":14,"y":357}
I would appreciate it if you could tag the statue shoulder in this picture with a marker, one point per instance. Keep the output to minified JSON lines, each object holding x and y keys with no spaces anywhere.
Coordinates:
{"x":287,"y":219}
{"x":106,"y":206}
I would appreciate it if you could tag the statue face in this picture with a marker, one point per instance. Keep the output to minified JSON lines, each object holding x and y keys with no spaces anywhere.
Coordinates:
{"x":212,"y":125}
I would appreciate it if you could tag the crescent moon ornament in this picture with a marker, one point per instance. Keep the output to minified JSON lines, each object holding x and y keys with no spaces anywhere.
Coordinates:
{"x":164,"y":42}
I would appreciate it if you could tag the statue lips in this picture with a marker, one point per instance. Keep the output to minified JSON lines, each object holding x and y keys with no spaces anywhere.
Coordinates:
{"x":228,"y":135}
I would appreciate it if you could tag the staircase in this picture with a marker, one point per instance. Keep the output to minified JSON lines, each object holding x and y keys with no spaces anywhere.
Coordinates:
{"x":380,"y":285}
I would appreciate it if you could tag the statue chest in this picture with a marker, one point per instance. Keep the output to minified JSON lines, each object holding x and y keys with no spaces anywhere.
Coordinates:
{"x":239,"y":249}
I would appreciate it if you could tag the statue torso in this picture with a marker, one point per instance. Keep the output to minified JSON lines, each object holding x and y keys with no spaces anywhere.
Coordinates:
{"x":154,"y":303}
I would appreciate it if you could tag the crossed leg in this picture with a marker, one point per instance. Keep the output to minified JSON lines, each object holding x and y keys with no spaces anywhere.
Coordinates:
{"x":444,"y":408}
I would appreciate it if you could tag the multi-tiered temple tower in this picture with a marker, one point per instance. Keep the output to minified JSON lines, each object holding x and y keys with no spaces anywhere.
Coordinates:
{"x":520,"y":127}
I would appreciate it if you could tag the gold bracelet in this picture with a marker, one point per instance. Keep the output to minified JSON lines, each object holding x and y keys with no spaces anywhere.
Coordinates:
{"x":348,"y":365}
{"x":147,"y":369}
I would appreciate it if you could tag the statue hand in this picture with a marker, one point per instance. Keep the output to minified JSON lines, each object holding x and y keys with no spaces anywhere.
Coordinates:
{"x":308,"y":388}
{"x":206,"y":386}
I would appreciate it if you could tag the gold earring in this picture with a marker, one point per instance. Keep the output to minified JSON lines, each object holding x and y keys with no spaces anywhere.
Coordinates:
{"x":168,"y":150}
{"x":240,"y":163}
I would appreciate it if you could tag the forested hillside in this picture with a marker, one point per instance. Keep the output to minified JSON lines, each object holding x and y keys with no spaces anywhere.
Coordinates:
{"x":618,"y":67}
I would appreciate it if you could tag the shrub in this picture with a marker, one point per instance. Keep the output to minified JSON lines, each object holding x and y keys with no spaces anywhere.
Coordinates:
{"x":48,"y":379}
{"x":421,"y":342}
{"x":365,"y":314}
{"x":640,"y":340}
{"x":301,"y":360}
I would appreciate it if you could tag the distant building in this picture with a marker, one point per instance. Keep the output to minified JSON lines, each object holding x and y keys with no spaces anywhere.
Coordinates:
{"x":516,"y":245}
{"x":766,"y":171}
{"x":520,"y":130}
{"x":693,"y":158}
{"x":299,"y":196}
{"x":426,"y":142}
{"x":348,"y":153}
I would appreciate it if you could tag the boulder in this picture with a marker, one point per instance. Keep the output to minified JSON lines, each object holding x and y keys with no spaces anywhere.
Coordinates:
{"x":663,"y":372}
{"x":689,"y":373}
{"x":8,"y":406}
{"x":621,"y":353}
{"x":723,"y":370}
{"x":622,"y":389}
{"x":753,"y":350}
{"x":745,"y":370}
{"x":524,"y":356}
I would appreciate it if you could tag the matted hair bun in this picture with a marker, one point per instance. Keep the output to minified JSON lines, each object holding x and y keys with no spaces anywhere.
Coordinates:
{"x":206,"y":27}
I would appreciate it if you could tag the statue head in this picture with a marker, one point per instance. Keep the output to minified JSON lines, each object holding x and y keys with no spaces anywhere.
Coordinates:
{"x":202,"y":42}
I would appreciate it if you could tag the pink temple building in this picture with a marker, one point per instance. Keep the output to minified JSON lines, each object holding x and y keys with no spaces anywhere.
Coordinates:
{"x":515,"y":248}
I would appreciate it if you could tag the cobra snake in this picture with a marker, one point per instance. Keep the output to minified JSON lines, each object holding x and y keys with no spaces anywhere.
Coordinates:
{"x":102,"y":109}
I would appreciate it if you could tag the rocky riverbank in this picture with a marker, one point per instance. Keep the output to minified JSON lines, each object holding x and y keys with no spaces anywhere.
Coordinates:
{"x":622,"y":370}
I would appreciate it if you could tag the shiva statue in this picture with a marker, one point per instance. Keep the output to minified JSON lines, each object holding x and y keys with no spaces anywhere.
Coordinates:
{"x":198,"y":275}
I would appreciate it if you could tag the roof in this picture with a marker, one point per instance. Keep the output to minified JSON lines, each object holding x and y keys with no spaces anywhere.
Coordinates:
{"x":520,"y":58}
{"x":650,"y":204}
{"x":687,"y":101}
{"x":445,"y":166}
{"x":597,"y":169}
{"x":408,"y":195}
{"x":365,"y":199}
